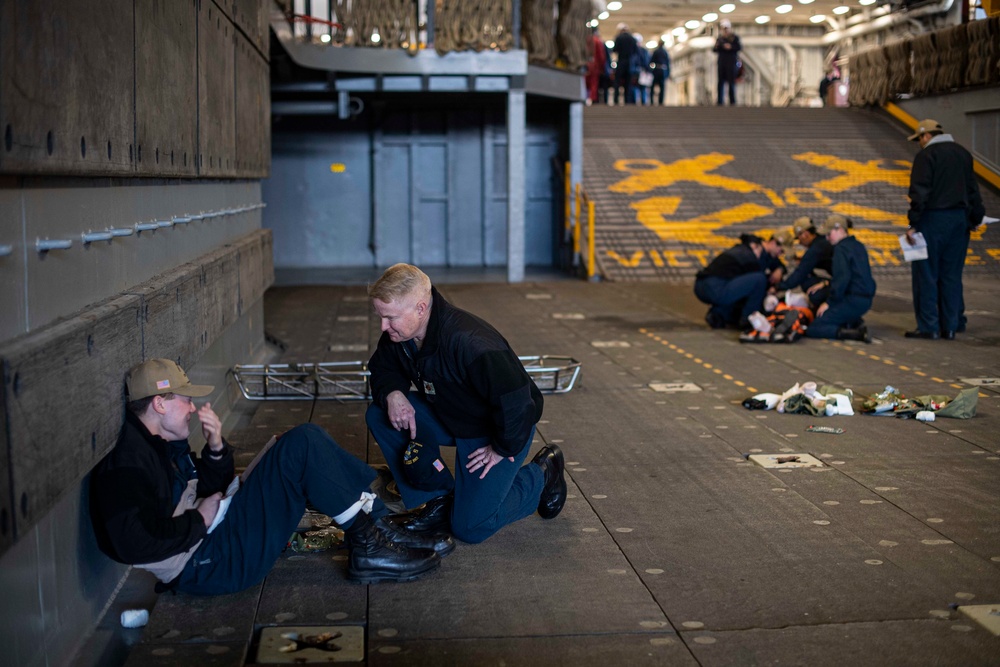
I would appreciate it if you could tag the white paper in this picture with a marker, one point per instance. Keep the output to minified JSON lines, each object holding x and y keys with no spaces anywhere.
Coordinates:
{"x":915,"y":252}
{"x":987,"y":220}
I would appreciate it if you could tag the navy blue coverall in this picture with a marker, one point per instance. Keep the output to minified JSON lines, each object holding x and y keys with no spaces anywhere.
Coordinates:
{"x":851,"y":290}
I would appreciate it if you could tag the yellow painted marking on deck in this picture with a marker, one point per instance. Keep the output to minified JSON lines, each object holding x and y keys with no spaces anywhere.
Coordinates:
{"x":904,"y":368}
{"x":657,"y":260}
{"x":956,"y":386}
{"x":646,"y":175}
{"x":889,"y":362}
{"x":937,"y":379}
{"x":632,"y":262}
{"x":920,"y":373}
{"x":700,"y":230}
{"x":872,"y":356}
{"x":854,"y":173}
{"x":697,"y":360}
{"x":862,"y":353}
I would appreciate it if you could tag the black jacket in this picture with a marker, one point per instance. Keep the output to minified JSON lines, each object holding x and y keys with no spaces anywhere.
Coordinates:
{"x":942,"y":178}
{"x":727,"y":57}
{"x":133,"y":492}
{"x":852,"y":274}
{"x":819,"y":255}
{"x":734,"y":262}
{"x":468,"y":373}
{"x":626,"y":48}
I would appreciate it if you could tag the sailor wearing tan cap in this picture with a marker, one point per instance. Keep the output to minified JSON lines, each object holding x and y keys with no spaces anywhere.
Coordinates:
{"x":186,"y":519}
{"x":851,"y":289}
{"x":945,"y":206}
{"x":818,"y":255}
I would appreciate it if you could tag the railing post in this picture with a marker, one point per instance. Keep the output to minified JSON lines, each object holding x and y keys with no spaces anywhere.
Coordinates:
{"x":576,"y":226}
{"x":590,"y":240}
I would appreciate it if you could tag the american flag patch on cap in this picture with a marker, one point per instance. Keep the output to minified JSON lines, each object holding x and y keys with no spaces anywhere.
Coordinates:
{"x":163,"y":384}
{"x":437,"y":464}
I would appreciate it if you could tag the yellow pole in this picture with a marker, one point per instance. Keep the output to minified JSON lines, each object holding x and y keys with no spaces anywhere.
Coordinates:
{"x":576,"y":226}
{"x":590,"y":239}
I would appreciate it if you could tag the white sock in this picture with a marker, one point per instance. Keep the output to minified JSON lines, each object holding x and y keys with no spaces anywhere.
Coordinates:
{"x":364,"y":504}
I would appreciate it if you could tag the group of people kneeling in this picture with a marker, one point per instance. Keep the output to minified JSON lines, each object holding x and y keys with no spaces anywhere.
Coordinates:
{"x":440,"y":377}
{"x":834,"y":274}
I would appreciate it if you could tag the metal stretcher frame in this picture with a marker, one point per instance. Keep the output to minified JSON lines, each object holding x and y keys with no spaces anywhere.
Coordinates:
{"x":349,"y":380}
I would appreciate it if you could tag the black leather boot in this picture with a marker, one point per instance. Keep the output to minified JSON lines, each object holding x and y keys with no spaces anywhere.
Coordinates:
{"x":373,"y":557}
{"x":550,"y":459}
{"x":434,"y":518}
{"x":861,"y":333}
{"x":439,"y":542}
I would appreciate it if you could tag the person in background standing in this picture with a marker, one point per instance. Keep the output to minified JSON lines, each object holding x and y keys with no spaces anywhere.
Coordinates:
{"x":597,"y":67}
{"x":727,"y":46}
{"x":661,"y":70}
{"x":625,"y":48}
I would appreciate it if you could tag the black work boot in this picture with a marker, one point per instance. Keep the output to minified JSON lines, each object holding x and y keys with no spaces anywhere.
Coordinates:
{"x":550,"y":459}
{"x":861,"y":333}
{"x":373,"y":557}
{"x":439,"y":542}
{"x":433,"y":518}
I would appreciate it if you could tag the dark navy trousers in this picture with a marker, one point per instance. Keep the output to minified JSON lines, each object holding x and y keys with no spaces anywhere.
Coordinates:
{"x":305,"y":464}
{"x":508,"y":493}
{"x":727,"y":295}
{"x":846,"y":313}
{"x":937,"y":280}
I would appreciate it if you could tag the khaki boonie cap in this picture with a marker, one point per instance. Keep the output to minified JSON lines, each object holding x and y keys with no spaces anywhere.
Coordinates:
{"x":784,"y":237}
{"x":926,"y":125}
{"x":162,"y":376}
{"x":801,"y":224}
{"x":834,"y":221}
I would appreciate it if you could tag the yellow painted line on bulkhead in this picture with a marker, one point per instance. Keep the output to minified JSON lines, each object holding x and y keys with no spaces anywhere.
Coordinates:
{"x":704,"y":364}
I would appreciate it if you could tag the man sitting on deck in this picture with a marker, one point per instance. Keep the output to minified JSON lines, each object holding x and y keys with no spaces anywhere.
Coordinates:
{"x":156,"y":506}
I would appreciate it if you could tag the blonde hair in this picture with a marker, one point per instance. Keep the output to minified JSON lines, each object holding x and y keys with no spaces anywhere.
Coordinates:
{"x":400,"y":281}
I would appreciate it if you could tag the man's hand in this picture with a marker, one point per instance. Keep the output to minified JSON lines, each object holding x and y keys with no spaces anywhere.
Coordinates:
{"x":209,"y":507}
{"x":822,"y":309}
{"x":776,"y":275}
{"x":815,"y":287}
{"x":909,"y":237}
{"x":211,"y":427}
{"x":401,"y":413}
{"x":484,"y":458}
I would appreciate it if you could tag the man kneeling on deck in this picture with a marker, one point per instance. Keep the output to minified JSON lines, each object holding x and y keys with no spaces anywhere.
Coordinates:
{"x":473,"y":394}
{"x":187,"y":519}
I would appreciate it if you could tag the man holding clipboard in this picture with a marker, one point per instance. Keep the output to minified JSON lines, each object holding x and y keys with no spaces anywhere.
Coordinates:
{"x":945,"y":205}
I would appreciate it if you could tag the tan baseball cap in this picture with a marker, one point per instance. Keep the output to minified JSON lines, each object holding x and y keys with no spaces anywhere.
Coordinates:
{"x":802,"y":224}
{"x":784,"y":237}
{"x":162,"y":376}
{"x":834,"y":221}
{"x":926,"y":125}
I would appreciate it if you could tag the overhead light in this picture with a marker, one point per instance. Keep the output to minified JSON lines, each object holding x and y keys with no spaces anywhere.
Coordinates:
{"x":746,"y":2}
{"x":763,"y":19}
{"x":602,"y":16}
{"x":806,"y":2}
{"x":376,"y":38}
{"x":651,"y":44}
{"x":678,"y":31}
{"x":693,"y":24}
{"x":817,"y":18}
{"x":324,"y":38}
{"x":665,"y":36}
{"x":710,"y":17}
{"x":783,"y":9}
{"x":725,"y":9}
{"x":610,"y":43}
{"x":614,"y":6}
{"x":866,"y":2}
{"x":843,"y":9}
